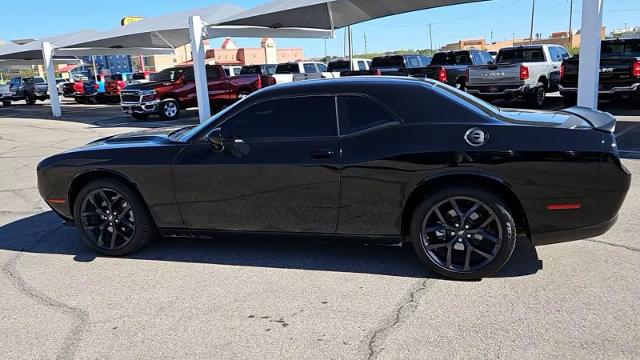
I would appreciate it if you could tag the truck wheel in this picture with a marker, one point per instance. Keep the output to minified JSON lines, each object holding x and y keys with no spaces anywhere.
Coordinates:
{"x":537,"y":98}
{"x":169,"y":109}
{"x":79,"y":99}
{"x":30,"y":100}
{"x":460,"y":86}
{"x":138,"y":116}
{"x":6,"y":103}
{"x":569,"y":100}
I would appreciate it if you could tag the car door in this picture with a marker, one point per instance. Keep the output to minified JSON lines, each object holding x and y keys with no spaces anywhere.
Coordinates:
{"x":219,"y":91}
{"x":279,"y":170}
{"x":186,"y":91}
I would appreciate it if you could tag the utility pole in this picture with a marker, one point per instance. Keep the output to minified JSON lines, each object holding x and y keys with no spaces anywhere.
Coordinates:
{"x":533,"y":12}
{"x":350,"y":47}
{"x":430,"y":39}
{"x":570,"y":24}
{"x":491,"y":37}
{"x":365,"y":44}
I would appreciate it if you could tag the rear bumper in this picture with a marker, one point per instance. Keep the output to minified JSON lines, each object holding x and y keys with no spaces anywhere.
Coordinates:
{"x":500,"y":91}
{"x":150,"y":107}
{"x":573,"y":234}
{"x":631,"y":89}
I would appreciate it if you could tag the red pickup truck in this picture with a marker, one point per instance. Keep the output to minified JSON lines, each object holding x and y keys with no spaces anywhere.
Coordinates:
{"x":174,"y":89}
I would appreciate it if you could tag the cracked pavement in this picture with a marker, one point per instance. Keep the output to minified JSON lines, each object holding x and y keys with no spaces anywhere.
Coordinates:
{"x":286,"y":299}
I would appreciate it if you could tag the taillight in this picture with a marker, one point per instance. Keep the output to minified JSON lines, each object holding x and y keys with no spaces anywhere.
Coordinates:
{"x":95,"y":86}
{"x":259,"y":83}
{"x":562,"y":71}
{"x":442,"y":75}
{"x":524,"y":72}
{"x":636,"y":69}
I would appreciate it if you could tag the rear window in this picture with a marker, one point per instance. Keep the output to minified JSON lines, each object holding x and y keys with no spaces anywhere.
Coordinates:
{"x":388,"y":61}
{"x":251,"y":70}
{"x":451,"y":58}
{"x":116,"y":77}
{"x":138,"y":76}
{"x":339,"y":65}
{"x":516,"y":55}
{"x":620,"y":48}
{"x":288,"y":69}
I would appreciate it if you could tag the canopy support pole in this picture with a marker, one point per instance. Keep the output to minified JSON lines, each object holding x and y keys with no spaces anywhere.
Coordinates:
{"x":350,"y":48}
{"x":588,"y":75}
{"x":47,"y":56}
{"x":196,"y":32}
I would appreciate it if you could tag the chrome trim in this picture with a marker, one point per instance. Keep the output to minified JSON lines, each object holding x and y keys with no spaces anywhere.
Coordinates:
{"x":619,"y":89}
{"x":521,"y":89}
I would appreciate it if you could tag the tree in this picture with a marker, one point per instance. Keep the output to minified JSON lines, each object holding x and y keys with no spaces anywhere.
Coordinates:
{"x":27,"y":72}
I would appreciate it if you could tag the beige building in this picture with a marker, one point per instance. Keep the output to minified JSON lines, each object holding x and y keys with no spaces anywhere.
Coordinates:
{"x":230,"y":54}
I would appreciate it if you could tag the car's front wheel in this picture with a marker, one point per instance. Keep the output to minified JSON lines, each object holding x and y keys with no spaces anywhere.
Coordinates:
{"x":169,"y":109}
{"x":112,"y":218}
{"x":463,"y":232}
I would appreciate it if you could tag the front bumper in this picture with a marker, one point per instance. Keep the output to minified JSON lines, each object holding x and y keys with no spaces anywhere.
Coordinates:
{"x":149,"y":107}
{"x":500,"y":91}
{"x":622,"y":90}
{"x":573,"y":234}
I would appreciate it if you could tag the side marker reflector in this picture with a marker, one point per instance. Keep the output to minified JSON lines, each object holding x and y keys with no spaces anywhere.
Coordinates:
{"x":57,"y":201}
{"x":564,"y":206}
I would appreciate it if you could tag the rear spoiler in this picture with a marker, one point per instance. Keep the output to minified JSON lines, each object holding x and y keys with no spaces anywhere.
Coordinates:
{"x":598,"y":119}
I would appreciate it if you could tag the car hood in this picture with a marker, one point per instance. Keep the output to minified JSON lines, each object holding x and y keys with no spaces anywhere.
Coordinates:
{"x":136,"y":138}
{"x":145,"y":86}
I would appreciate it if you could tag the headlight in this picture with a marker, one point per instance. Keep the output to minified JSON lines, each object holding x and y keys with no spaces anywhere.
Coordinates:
{"x":148,"y":92}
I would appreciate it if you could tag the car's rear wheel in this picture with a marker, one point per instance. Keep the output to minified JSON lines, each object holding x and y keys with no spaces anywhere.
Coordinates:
{"x":113,"y":219}
{"x":30,"y":100}
{"x":463,"y":233}
{"x":139,"y":116}
{"x":169,"y":109}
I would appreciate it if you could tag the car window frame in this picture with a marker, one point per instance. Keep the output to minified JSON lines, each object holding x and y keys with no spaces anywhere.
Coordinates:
{"x":397,"y":119}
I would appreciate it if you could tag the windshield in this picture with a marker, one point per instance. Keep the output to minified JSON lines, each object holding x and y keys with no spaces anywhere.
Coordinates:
{"x":169,"y":75}
{"x":518,"y":55}
{"x":621,"y":48}
{"x":388,"y":61}
{"x":451,"y":58}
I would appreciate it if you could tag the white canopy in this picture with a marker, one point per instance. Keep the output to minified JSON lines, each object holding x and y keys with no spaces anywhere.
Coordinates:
{"x":33,"y":50}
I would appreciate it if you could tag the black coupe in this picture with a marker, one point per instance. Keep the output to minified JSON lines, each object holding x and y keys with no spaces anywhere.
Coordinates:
{"x":382,"y":158}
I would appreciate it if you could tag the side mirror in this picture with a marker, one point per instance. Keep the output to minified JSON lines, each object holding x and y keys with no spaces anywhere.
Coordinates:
{"x":216,"y":140}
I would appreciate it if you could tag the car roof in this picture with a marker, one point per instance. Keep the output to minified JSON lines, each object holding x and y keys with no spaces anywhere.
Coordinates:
{"x":354,"y":84}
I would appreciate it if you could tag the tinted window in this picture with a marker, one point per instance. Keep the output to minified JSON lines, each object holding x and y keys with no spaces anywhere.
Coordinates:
{"x":488,"y":59}
{"x":388,"y":61}
{"x":424,"y":61}
{"x":116,"y":77}
{"x":339,"y":66}
{"x":360,"y":113}
{"x":38,"y":80}
{"x":322,"y":67}
{"x":169,"y":75}
{"x":413,"y":62}
{"x":270,"y":69}
{"x":254,"y":69}
{"x":362,"y":65}
{"x":188,"y":75}
{"x":295,"y":117}
{"x":288,"y":69}
{"x":213,"y":73}
{"x":310,"y":68}
{"x":621,"y":48}
{"x":515,"y":55}
{"x":451,"y":58}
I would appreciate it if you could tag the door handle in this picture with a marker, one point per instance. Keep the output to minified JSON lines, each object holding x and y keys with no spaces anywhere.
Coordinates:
{"x":322,"y":154}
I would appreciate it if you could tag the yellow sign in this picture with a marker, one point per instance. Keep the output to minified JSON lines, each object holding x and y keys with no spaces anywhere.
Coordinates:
{"x":130,"y":19}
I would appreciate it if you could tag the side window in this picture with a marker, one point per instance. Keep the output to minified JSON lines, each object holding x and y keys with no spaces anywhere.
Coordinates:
{"x":310,"y":68}
{"x":360,"y":113}
{"x":188,"y":75}
{"x":553,"y":52}
{"x":322,"y":67}
{"x":213,"y":73}
{"x":564,"y":54}
{"x":284,"y":118}
{"x":413,"y":62}
{"x":362,"y":65}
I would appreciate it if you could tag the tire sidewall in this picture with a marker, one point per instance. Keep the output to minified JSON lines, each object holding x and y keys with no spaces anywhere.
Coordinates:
{"x":144,"y":228}
{"x":496,"y":204}
{"x":161,"y":110}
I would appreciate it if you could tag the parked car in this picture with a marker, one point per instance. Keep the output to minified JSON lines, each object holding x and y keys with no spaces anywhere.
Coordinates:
{"x":174,"y":89}
{"x":338,"y":66}
{"x":265,"y":72}
{"x":619,"y":72}
{"x":392,"y":65}
{"x":74,"y":88}
{"x":301,"y":70}
{"x":232,"y":70}
{"x":30,"y":89}
{"x":114,"y":85}
{"x":451,"y":67}
{"x":59,"y":84}
{"x":524,"y":72}
{"x":93,"y":91}
{"x":5,"y":95}
{"x":141,"y":77}
{"x":377,"y":158}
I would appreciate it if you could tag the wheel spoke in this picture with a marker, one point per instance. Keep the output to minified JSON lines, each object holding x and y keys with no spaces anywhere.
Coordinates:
{"x":487,"y":222}
{"x":441,"y":218}
{"x":455,"y":206}
{"x":105,"y":198}
{"x":123,"y":212}
{"x":482,"y":253}
{"x":434,"y":229}
{"x":470,"y":212}
{"x":114,"y":234}
{"x":436,"y":246}
{"x":467,"y":258}
{"x":449,"y":255}
{"x":486,"y":235}
{"x":101,"y":234}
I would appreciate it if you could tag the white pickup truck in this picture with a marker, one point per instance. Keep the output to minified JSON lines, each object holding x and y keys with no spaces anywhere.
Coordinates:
{"x":300,"y":70}
{"x":522,"y":72}
{"x":337,"y":66}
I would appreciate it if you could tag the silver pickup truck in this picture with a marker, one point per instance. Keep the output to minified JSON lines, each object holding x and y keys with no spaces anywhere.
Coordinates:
{"x":523,"y":72}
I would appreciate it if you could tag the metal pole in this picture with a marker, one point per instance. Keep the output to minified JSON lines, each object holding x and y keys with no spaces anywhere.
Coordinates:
{"x":47,"y":56}
{"x":365,"y":44}
{"x":350,"y":48}
{"x":533,"y":12}
{"x":588,"y":74}
{"x":571,"y":25}
{"x":430,"y":39}
{"x":95,"y":69}
{"x":196,"y":32}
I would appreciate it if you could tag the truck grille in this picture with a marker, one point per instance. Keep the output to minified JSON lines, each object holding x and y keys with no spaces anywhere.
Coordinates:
{"x":130,"y":97}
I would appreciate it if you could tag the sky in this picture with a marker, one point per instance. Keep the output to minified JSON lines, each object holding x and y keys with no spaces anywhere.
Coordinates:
{"x":505,"y":18}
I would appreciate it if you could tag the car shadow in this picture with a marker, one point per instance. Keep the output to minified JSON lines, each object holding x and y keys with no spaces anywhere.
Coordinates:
{"x":44,"y":234}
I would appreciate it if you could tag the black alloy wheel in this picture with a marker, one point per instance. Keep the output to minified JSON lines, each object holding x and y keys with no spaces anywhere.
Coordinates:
{"x":112,"y":218}
{"x":538,"y":97}
{"x":463,"y":233}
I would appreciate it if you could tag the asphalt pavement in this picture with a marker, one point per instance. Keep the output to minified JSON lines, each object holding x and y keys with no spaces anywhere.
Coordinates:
{"x":289,"y":299}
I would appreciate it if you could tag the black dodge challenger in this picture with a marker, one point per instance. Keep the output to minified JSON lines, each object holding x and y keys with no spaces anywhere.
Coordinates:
{"x":386,"y":159}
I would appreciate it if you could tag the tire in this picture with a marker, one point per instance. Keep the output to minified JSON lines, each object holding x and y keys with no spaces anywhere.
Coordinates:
{"x":6,"y":103}
{"x":490,"y":238}
{"x":134,"y":230}
{"x":569,"y":100}
{"x":140,"y":116}
{"x":169,"y":109}
{"x":460,"y":86}
{"x":30,"y":100}
{"x":537,"y":99}
{"x":79,"y":99}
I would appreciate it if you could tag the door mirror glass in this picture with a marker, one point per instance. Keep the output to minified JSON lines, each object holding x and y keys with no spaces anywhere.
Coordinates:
{"x":216,"y":140}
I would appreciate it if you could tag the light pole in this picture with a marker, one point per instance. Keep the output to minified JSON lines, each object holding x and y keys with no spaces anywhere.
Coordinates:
{"x":533,"y":12}
{"x":570,"y":24}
